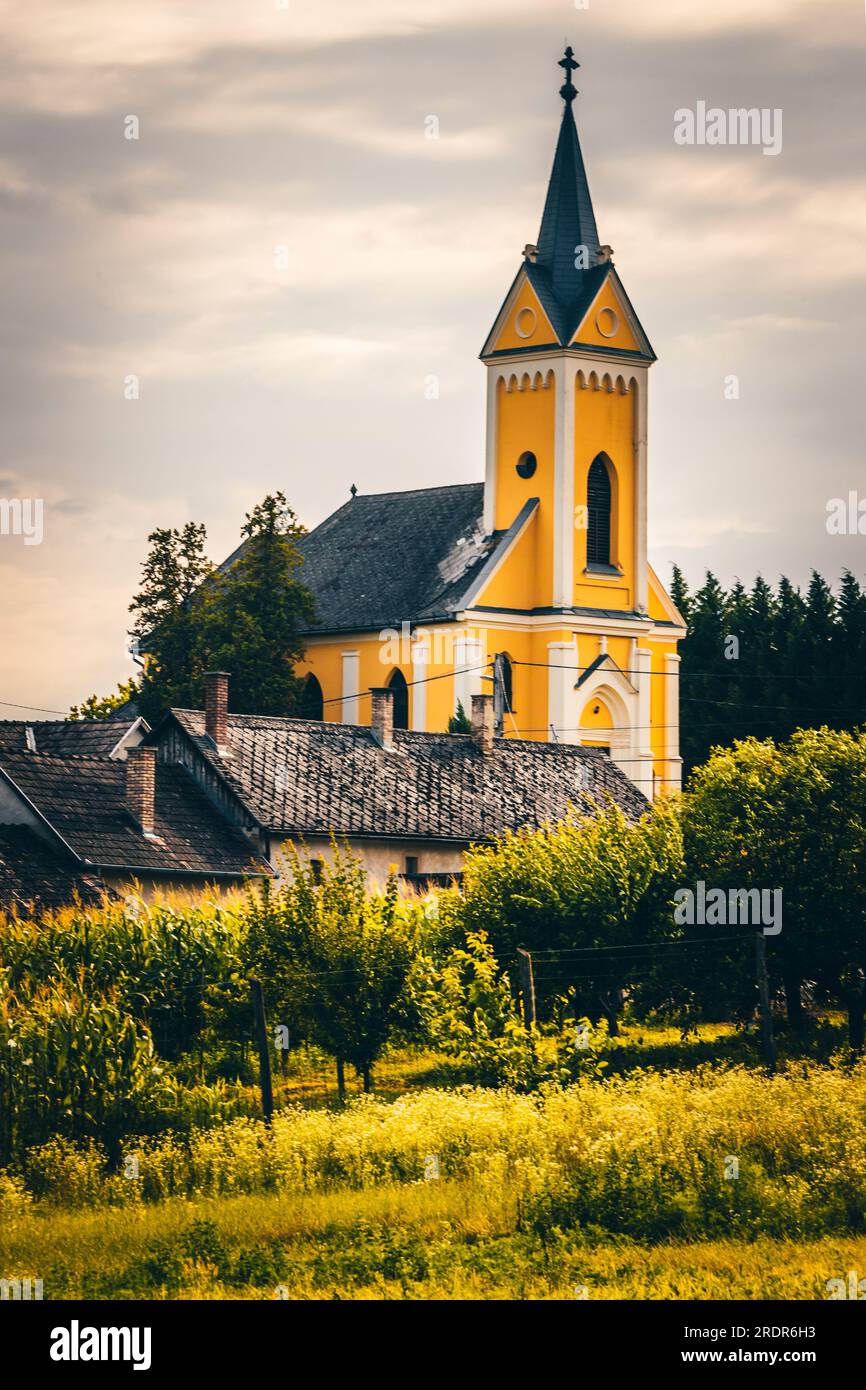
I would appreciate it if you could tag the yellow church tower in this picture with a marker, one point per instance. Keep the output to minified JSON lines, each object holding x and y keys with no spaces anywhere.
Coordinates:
{"x":537,"y":584}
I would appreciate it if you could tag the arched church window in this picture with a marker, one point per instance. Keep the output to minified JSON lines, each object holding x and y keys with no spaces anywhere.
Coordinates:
{"x":506,"y":675}
{"x":598,"y":514}
{"x":311,"y":704}
{"x":398,"y":685}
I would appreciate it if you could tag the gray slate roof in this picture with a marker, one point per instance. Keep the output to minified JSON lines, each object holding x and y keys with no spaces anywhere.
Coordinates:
{"x":83,"y":800}
{"x":303,"y":777}
{"x":391,"y":557}
{"x":92,"y":738}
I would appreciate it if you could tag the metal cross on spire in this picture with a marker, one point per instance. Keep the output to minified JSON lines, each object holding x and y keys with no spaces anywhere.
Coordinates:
{"x":568,"y":91}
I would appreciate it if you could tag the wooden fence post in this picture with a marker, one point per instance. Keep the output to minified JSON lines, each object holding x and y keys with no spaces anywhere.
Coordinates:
{"x":258,"y":998}
{"x":527,"y":986}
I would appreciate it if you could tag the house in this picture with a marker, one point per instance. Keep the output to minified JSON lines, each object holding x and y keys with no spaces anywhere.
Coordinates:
{"x":534,"y":583}
{"x":407,"y":798}
{"x":77,"y":825}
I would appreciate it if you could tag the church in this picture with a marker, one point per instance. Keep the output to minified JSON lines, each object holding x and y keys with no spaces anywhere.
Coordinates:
{"x":533,"y":586}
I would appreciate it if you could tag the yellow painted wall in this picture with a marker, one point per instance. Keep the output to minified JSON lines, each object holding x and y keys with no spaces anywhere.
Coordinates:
{"x":517,"y":575}
{"x":377,"y":660}
{"x":659,"y":603}
{"x":526,"y":423}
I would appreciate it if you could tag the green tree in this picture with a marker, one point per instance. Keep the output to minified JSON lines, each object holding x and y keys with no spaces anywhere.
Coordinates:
{"x":792,"y":816}
{"x":798,"y":664}
{"x":460,"y":723}
{"x":168,"y":619}
{"x":849,"y":648}
{"x":256,"y":612}
{"x":248,"y":618}
{"x":680,"y":592}
{"x":96,"y":707}
{"x":595,"y":881}
{"x":336,"y":956}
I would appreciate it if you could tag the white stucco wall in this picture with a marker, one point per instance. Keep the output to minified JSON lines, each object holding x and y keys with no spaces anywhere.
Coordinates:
{"x":380,"y":855}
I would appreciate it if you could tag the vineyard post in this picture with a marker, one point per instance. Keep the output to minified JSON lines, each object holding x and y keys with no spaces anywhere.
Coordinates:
{"x":527,"y":986}
{"x":258,"y":998}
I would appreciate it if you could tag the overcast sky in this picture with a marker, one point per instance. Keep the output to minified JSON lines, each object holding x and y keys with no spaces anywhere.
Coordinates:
{"x":304,"y":127}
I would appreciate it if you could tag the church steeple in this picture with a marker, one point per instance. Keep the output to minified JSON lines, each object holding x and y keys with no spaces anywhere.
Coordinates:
{"x":568,"y":221}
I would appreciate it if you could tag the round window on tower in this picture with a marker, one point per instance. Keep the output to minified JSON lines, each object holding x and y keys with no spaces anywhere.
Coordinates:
{"x":527,"y":464}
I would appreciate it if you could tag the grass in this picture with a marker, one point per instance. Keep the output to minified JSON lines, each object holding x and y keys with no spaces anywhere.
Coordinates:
{"x":310,"y":1080}
{"x":613,"y":1188}
{"x":435,"y":1240}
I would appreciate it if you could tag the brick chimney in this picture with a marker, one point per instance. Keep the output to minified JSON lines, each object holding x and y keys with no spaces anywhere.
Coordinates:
{"x":216,"y":709}
{"x":482,"y":722}
{"x":141,"y":786}
{"x":382,"y":719}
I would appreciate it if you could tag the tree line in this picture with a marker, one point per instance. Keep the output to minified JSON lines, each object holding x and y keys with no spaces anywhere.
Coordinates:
{"x":765,"y":662}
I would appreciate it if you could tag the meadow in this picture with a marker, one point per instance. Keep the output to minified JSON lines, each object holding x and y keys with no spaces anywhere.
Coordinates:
{"x":715,"y":1183}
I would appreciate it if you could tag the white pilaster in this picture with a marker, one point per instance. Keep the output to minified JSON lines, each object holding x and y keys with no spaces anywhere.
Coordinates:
{"x":563,"y":486}
{"x":640,"y":427}
{"x":468,"y":671}
{"x":561,"y":678}
{"x":351,"y":687}
{"x":420,"y":658}
{"x":673,"y":761}
{"x":642,"y":768}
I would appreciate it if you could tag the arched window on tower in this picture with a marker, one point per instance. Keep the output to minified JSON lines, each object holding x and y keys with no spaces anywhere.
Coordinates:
{"x":311,"y":704}
{"x":598,"y":513}
{"x":398,"y":685}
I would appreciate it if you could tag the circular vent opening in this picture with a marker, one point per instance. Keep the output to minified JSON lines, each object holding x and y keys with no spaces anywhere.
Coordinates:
{"x":527,"y":464}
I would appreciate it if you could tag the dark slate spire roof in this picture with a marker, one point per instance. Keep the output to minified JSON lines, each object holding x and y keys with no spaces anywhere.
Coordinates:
{"x":568,"y":220}
{"x":564,"y":290}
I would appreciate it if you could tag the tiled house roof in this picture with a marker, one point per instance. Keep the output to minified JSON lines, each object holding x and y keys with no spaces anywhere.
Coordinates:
{"x":302,"y":777}
{"x":83,"y":800}
{"x":92,"y":738}
{"x":33,"y":874}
